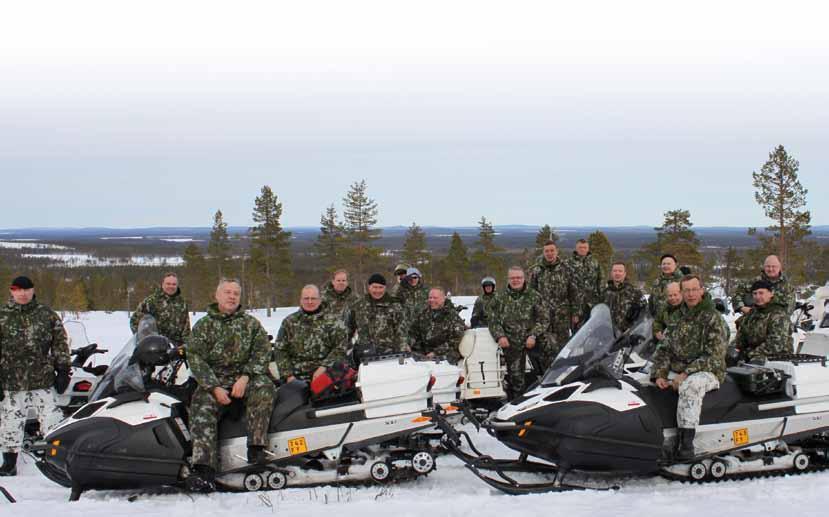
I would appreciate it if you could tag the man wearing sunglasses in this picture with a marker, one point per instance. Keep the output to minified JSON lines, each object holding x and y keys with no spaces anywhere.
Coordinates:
{"x":34,"y":359}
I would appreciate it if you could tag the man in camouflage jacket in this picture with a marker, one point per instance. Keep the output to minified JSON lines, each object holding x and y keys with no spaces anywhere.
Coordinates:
{"x":34,"y":358}
{"x":437,"y":329}
{"x":669,"y":273}
{"x":377,"y":319}
{"x":229,"y":352}
{"x":669,"y":313}
{"x":338,"y":296}
{"x":772,"y":273}
{"x":587,"y":277}
{"x":310,"y":339}
{"x":169,"y":309}
{"x":518,"y":318}
{"x":553,"y":281}
{"x":764,"y":331}
{"x":483,"y":303}
{"x":412,"y":295}
{"x":695,"y":352}
{"x":625,"y":300}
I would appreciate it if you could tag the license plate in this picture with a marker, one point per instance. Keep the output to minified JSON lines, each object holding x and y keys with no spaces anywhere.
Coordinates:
{"x":297,"y":446}
{"x":740,"y":436}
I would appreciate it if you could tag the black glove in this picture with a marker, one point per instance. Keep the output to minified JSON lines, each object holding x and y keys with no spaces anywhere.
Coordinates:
{"x":61,"y":380}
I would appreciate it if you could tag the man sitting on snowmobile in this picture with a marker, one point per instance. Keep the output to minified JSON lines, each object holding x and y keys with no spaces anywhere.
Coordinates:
{"x":694,"y":351}
{"x":229,"y":354}
{"x":669,"y":312}
{"x":437,"y":329}
{"x":765,"y":330}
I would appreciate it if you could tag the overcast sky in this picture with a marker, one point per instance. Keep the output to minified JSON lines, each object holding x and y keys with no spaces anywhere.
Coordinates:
{"x":160,"y":113}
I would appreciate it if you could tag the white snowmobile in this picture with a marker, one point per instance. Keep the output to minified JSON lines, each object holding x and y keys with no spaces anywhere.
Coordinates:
{"x":134,"y":431}
{"x":816,"y":337}
{"x":590,"y":417}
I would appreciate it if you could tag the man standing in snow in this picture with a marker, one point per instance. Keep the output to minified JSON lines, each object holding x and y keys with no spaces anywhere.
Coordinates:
{"x":586,"y":274}
{"x":169,"y":309}
{"x":229,"y":352}
{"x":437,"y":329}
{"x":552,"y":279}
{"x":625,"y":300}
{"x":34,"y":358}
{"x":668,"y":273}
{"x":338,"y":296}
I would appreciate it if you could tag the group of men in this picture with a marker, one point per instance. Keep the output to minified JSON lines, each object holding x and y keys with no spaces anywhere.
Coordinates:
{"x":229,"y":351}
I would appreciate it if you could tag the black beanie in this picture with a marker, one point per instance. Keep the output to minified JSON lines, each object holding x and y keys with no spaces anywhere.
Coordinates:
{"x":377,"y":278}
{"x":762,"y":284}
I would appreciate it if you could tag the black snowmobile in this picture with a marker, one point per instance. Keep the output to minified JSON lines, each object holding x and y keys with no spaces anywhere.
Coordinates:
{"x":595,"y":416}
{"x":134,"y":431}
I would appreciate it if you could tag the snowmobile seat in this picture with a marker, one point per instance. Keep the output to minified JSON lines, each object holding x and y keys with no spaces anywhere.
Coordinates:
{"x":727,"y":404}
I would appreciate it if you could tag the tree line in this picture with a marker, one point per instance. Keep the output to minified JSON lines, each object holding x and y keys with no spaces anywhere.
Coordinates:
{"x":271,"y":273}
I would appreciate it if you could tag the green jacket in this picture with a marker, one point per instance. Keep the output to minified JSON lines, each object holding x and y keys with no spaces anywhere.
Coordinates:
{"x":481,"y":310}
{"x":696,"y":344}
{"x":170,"y":312}
{"x":657,"y":300}
{"x":339,"y":302}
{"x":223,"y":347}
{"x":764,"y":332}
{"x":784,"y":294}
{"x":667,"y":317}
{"x":587,"y":277}
{"x":554,"y":283}
{"x":518,"y":315}
{"x":307,"y":341}
{"x":625,"y":302}
{"x":33,"y":345}
{"x":439,"y":331}
{"x":378,"y":323}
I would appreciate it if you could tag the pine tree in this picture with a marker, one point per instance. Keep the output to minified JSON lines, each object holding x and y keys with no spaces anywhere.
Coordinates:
{"x":456,"y":264}
{"x":359,"y":220}
{"x":415,"y":251}
{"x":270,"y":244}
{"x":546,"y":233}
{"x":484,"y":259}
{"x":331,"y":240}
{"x":676,"y":237}
{"x":602,"y":250}
{"x":219,"y":246}
{"x":779,"y":192}
{"x":196,"y":285}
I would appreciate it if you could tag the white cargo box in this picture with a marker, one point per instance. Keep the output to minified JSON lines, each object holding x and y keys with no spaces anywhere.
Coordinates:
{"x":482,"y":367}
{"x":807,"y":381}
{"x":445,"y":389}
{"x":398,"y":386}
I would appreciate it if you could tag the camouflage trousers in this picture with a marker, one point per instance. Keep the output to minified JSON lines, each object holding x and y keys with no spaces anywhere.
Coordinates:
{"x":205,"y":413}
{"x":14,"y":411}
{"x":691,"y":393}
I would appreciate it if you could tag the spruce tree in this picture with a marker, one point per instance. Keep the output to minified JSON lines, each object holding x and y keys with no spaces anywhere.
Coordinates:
{"x":484,"y":259}
{"x":456,"y":264}
{"x":330,"y":243}
{"x":602,"y":250}
{"x":546,"y":233}
{"x":415,"y":252}
{"x":270,"y":244}
{"x":359,"y":223}
{"x":219,"y":246}
{"x":779,"y":192}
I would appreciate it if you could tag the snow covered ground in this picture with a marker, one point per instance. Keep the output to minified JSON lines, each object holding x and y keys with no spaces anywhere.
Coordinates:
{"x":451,"y":490}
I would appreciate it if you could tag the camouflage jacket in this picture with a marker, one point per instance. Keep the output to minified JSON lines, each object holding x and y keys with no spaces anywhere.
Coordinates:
{"x":555,"y":285}
{"x":696,"y":344}
{"x":339,"y":302}
{"x":438,"y":331}
{"x":656,"y":300}
{"x":481,"y":310}
{"x":413,"y":299}
{"x":784,"y":295}
{"x":307,"y":341}
{"x":170,"y":313}
{"x":518,"y":315}
{"x":33,"y":345}
{"x":223,"y":347}
{"x":378,"y":323}
{"x":625,"y":302}
{"x":764,"y":332}
{"x":666,"y":318}
{"x":587,"y":278}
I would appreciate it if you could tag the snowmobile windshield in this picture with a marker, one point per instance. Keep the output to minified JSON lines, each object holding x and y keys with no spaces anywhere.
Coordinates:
{"x":76,"y":332}
{"x":592,"y":342}
{"x":124,"y":374}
